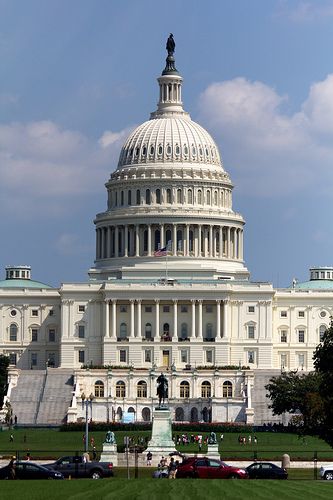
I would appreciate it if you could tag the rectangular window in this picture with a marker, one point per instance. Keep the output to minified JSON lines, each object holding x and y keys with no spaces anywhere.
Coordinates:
{"x":183,"y":309}
{"x":148,"y":309}
{"x":51,"y":312}
{"x":82,"y":309}
{"x":301,"y":360}
{"x":250,"y":331}
{"x":34,"y":312}
{"x":81,"y":357}
{"x":123,"y":309}
{"x":52,"y":335}
{"x":34,"y":359}
{"x":250,"y":357}
{"x":12,"y":358}
{"x":147,"y":355}
{"x":283,"y":358}
{"x":166,"y":309}
{"x":34,"y":335}
{"x":122,"y":355}
{"x":209,"y":308}
{"x":250,"y":309}
{"x":184,"y":356}
{"x":81,"y":332}
{"x":283,"y":314}
{"x":301,"y":336}
{"x":301,"y":314}
{"x":209,"y":356}
{"x":283,"y":335}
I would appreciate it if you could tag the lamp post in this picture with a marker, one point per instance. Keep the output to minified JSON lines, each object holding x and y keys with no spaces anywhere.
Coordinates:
{"x":87,"y":403}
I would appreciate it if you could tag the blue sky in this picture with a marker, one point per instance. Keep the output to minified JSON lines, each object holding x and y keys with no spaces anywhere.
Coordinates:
{"x":77,"y":75}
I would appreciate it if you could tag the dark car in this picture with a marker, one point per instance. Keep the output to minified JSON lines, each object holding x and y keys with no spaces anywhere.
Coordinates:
{"x":29,"y":470}
{"x":266,"y":470}
{"x":76,"y":466}
{"x":209,"y":468}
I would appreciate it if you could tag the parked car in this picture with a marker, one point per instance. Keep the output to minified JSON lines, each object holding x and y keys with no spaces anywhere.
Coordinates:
{"x":208,"y":468}
{"x":266,"y":470}
{"x":326,"y":472}
{"x":75,"y":466}
{"x":29,"y":470}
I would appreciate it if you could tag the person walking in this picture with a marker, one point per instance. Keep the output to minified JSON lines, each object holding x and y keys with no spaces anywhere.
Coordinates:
{"x":149,"y":457}
{"x":12,"y":468}
{"x":172,"y":469}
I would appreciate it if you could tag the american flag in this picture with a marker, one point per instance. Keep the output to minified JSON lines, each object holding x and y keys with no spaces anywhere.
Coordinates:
{"x":161,"y":252}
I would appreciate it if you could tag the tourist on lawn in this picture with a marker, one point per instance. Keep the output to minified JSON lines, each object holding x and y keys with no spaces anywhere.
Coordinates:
{"x":149,"y":457}
{"x":172,"y":469}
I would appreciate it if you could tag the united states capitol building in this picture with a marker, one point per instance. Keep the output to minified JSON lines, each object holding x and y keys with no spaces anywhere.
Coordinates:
{"x":168,"y":292}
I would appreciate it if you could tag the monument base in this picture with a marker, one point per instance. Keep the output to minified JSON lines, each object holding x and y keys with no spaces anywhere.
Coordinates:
{"x":213,"y":451}
{"x":161,"y":442}
{"x":109,"y":453}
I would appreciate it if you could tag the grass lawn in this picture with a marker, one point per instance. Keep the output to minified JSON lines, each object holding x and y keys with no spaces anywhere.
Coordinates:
{"x":193,"y":489}
{"x":271,"y":445}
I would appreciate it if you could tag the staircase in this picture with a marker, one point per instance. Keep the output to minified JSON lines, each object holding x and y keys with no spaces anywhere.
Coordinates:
{"x":263,"y":414}
{"x":42,"y":397}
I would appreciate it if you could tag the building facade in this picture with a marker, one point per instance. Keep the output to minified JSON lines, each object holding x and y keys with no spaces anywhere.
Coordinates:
{"x":168,"y":291}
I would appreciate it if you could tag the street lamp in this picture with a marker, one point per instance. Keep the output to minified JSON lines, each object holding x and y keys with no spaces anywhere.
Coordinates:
{"x":87,"y":403}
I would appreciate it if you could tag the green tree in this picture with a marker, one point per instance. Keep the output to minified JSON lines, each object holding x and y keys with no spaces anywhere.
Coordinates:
{"x":4,"y":363}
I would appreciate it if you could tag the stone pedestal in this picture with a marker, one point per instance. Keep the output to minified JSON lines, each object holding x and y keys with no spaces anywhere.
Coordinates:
{"x":109,"y":453}
{"x":249,"y":414}
{"x":161,"y":439}
{"x":213,"y":451}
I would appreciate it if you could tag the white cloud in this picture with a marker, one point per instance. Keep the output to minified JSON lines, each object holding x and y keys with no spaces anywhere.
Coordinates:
{"x":109,"y":138}
{"x":272,"y":153}
{"x":42,"y":166}
{"x":305,"y":11}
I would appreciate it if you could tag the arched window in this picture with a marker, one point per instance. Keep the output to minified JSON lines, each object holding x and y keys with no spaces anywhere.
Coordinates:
{"x":120,"y":389}
{"x":116,"y":198}
{"x":148,"y":331}
{"x":199,"y":197}
{"x":123,"y":331}
{"x":148,"y":197}
{"x":141,"y":389}
{"x":138,"y":196}
{"x":168,"y":237}
{"x":208,"y":198}
{"x":194,"y":415}
{"x":146,"y":414}
{"x":227,"y":389}
{"x":158,"y":196}
{"x":179,"y":415}
{"x":168,"y":195}
{"x":166,"y":329}
{"x":145,"y":240}
{"x":157,"y":239}
{"x":206,"y":389}
{"x":183,"y":330}
{"x":129,"y":197}
{"x":13,"y":332}
{"x":190,"y":197}
{"x":179,"y":240}
{"x":215,"y":197}
{"x":99,"y":389}
{"x":322,"y":330}
{"x":179,"y":195}
{"x":184,"y":389}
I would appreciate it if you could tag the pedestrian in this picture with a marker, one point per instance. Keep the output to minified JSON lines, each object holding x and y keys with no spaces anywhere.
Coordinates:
{"x":11,"y":438}
{"x":28,"y":456}
{"x":94,"y":454}
{"x":12,"y":468}
{"x":172,"y":469}
{"x":15,"y":420}
{"x":92,"y":442}
{"x":222,"y":437}
{"x":255,"y":440}
{"x":249,"y":439}
{"x":149,"y":457}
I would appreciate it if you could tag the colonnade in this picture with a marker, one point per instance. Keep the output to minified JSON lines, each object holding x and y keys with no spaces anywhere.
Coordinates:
{"x":136,"y":329}
{"x":188,"y":240}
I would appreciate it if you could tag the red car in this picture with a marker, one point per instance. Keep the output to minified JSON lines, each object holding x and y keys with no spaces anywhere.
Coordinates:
{"x":208,"y":468}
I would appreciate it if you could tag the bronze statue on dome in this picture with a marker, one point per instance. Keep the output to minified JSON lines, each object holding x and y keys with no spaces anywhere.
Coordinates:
{"x":170,"y":45}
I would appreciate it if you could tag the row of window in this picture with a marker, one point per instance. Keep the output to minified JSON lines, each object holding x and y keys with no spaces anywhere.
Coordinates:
{"x":34,"y":332}
{"x":34,"y":313}
{"x":203,"y":197}
{"x":149,"y":151}
{"x":301,"y":314}
{"x":300,"y":334}
{"x":184,"y":389}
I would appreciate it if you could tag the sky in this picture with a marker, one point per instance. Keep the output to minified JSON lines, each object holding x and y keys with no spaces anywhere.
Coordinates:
{"x":76,"y":76}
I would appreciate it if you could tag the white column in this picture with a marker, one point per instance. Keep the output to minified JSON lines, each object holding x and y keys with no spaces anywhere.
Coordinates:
{"x":175,"y":318}
{"x":218,"y":319}
{"x":200,"y":319}
{"x":211,"y":244}
{"x":102,"y":243}
{"x":132,"y":318}
{"x":126,"y":240}
{"x":162,"y":236}
{"x":221,"y":242}
{"x":249,"y":395}
{"x":116,"y":241}
{"x":149,"y":240}
{"x":175,"y":239}
{"x":199,"y":240}
{"x":193,"y":320}
{"x":114,"y":319}
{"x":228,"y":243}
{"x":138,"y":331}
{"x":107,"y":318}
{"x":137,"y":241}
{"x":225,"y":319}
{"x":187,"y":240}
{"x":157,"y":319}
{"x":97,"y":243}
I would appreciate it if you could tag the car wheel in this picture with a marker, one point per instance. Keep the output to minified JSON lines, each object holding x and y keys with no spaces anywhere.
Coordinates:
{"x":233,"y":476}
{"x":328,"y":476}
{"x":96,"y":475}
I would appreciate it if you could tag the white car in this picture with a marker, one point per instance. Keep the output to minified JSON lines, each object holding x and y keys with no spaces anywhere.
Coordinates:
{"x":326,"y":472}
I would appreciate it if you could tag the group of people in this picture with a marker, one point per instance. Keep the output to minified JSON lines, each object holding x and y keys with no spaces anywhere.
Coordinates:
{"x":243,"y":440}
{"x":164,"y":469}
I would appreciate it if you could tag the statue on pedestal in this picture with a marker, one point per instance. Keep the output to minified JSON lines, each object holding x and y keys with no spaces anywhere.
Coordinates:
{"x":110,"y":438}
{"x":162,"y":389}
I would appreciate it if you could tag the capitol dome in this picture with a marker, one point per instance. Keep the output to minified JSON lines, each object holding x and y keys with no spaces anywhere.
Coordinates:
{"x":170,"y":192}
